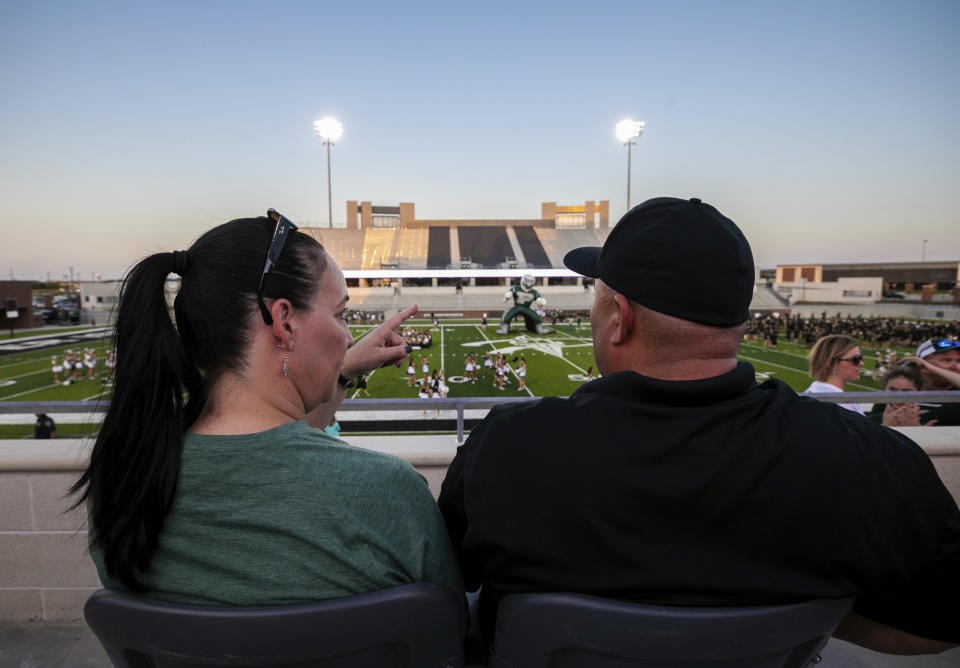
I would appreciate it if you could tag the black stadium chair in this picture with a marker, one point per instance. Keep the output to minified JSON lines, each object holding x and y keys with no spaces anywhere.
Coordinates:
{"x":577,"y":631}
{"x":409,"y":626}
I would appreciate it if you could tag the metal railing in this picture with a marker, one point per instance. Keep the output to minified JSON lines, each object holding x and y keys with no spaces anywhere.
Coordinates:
{"x":462,"y":404}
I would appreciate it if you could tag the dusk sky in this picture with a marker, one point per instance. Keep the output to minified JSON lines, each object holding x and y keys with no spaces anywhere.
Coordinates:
{"x":829,"y":131}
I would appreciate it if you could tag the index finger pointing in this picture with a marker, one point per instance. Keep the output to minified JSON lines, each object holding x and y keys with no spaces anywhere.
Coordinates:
{"x":394,"y":321}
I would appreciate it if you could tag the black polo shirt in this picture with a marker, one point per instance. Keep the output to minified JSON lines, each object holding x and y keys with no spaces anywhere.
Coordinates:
{"x":708,"y":492}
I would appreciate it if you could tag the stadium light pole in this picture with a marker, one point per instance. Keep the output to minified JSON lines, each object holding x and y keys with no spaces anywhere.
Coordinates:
{"x":330,"y":130}
{"x":627,"y":131}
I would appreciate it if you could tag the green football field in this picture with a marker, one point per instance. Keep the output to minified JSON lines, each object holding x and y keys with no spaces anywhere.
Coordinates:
{"x":557,"y":364}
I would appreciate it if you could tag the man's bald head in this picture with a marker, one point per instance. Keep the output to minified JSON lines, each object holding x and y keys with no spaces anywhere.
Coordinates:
{"x":628,"y":336}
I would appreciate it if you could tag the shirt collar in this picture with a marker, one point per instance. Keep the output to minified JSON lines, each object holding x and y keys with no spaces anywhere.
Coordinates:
{"x":636,"y":387}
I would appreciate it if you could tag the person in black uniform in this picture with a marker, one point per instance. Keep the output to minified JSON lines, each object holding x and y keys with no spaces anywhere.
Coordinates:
{"x":45,"y":427}
{"x":705,"y":488}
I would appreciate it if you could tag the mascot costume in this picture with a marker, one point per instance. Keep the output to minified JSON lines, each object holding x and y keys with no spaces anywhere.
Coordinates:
{"x":525,"y":298}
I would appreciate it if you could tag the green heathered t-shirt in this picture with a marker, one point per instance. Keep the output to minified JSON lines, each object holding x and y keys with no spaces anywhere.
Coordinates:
{"x":292,"y":515}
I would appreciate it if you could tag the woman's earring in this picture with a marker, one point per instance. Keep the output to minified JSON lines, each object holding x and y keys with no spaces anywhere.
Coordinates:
{"x":285,"y":369}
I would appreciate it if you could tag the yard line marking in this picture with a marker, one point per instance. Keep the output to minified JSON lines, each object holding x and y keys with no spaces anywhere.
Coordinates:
{"x":94,"y":396}
{"x":575,"y":338}
{"x":441,"y":349}
{"x":795,"y":370}
{"x":36,"y":389}
{"x":31,"y":373}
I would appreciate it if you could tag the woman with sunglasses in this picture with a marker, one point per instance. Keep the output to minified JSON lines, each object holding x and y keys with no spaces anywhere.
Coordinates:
{"x":835,"y":360}
{"x":206,"y":485}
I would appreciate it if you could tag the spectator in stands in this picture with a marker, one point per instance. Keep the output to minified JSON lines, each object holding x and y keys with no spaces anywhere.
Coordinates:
{"x":939,"y":361}
{"x":206,"y":484}
{"x":333,"y":427}
{"x":835,"y":360}
{"x":904,"y":378}
{"x":706,"y":489}
{"x":45,"y":427}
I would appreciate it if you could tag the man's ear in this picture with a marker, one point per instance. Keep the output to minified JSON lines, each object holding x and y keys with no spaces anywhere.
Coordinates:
{"x":284,"y":323}
{"x":625,"y":320}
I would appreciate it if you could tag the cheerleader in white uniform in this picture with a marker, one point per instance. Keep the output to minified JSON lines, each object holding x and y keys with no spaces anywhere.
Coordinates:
{"x":468,"y":372}
{"x":57,"y":369}
{"x":411,"y":372}
{"x":487,"y":365}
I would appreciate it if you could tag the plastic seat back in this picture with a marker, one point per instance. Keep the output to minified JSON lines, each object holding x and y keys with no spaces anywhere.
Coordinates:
{"x":577,"y":631}
{"x":409,"y":626}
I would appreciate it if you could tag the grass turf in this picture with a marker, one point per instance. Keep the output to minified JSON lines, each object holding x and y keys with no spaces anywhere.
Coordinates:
{"x":557,"y":364}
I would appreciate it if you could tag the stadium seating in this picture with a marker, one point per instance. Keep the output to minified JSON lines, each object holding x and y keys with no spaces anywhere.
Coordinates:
{"x":438,"y":247}
{"x":378,"y":248}
{"x":533,"y":251}
{"x":410,"y":248}
{"x":409,"y":626}
{"x":577,"y":631}
{"x":487,"y":246}
{"x":556,"y":243}
{"x":344,"y":246}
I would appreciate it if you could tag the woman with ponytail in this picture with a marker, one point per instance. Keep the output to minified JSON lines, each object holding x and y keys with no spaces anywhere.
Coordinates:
{"x":206,"y":485}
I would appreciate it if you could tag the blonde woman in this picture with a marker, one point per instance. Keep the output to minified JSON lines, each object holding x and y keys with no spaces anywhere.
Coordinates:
{"x":835,"y":360}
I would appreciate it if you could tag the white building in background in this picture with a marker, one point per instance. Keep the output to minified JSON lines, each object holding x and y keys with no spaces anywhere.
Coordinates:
{"x":866,"y":290}
{"x":98,"y":299}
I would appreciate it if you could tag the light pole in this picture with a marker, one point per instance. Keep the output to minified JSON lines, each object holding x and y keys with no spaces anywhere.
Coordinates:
{"x":330,"y":130}
{"x":923,"y":251}
{"x":627,"y":131}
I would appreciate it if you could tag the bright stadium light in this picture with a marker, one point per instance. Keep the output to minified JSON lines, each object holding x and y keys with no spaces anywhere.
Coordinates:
{"x":330,"y":130}
{"x":627,"y":131}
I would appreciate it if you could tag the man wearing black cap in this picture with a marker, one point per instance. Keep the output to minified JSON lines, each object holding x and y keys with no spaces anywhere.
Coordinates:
{"x":701,"y":487}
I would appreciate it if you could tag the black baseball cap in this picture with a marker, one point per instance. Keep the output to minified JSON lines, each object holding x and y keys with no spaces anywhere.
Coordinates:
{"x":675,"y":256}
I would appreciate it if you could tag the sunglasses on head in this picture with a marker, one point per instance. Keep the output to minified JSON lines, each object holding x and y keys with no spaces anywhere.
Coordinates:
{"x":282,"y":228}
{"x":856,"y":359}
{"x":945,"y":344}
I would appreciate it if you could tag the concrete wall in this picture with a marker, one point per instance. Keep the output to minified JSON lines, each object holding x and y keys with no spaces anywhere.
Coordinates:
{"x":46,"y":574}
{"x":45,"y":571}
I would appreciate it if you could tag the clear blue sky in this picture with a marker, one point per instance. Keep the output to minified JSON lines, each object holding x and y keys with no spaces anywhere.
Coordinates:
{"x":827,"y":130}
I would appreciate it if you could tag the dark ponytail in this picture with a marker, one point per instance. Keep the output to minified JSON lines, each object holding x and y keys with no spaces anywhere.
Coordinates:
{"x":163,"y":372}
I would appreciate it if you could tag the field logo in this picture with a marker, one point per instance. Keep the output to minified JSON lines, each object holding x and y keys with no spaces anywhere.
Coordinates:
{"x":514,"y":344}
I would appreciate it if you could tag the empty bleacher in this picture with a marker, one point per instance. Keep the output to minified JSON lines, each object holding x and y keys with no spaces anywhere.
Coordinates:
{"x":438,"y":247}
{"x":344,"y":246}
{"x":556,"y":243}
{"x":487,"y":246}
{"x":378,"y":248}
{"x":410,"y":248}
{"x":532,"y":249}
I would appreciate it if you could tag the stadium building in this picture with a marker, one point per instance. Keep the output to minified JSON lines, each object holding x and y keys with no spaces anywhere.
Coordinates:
{"x":868,"y":282}
{"x":380,"y":240}
{"x":385,"y":250}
